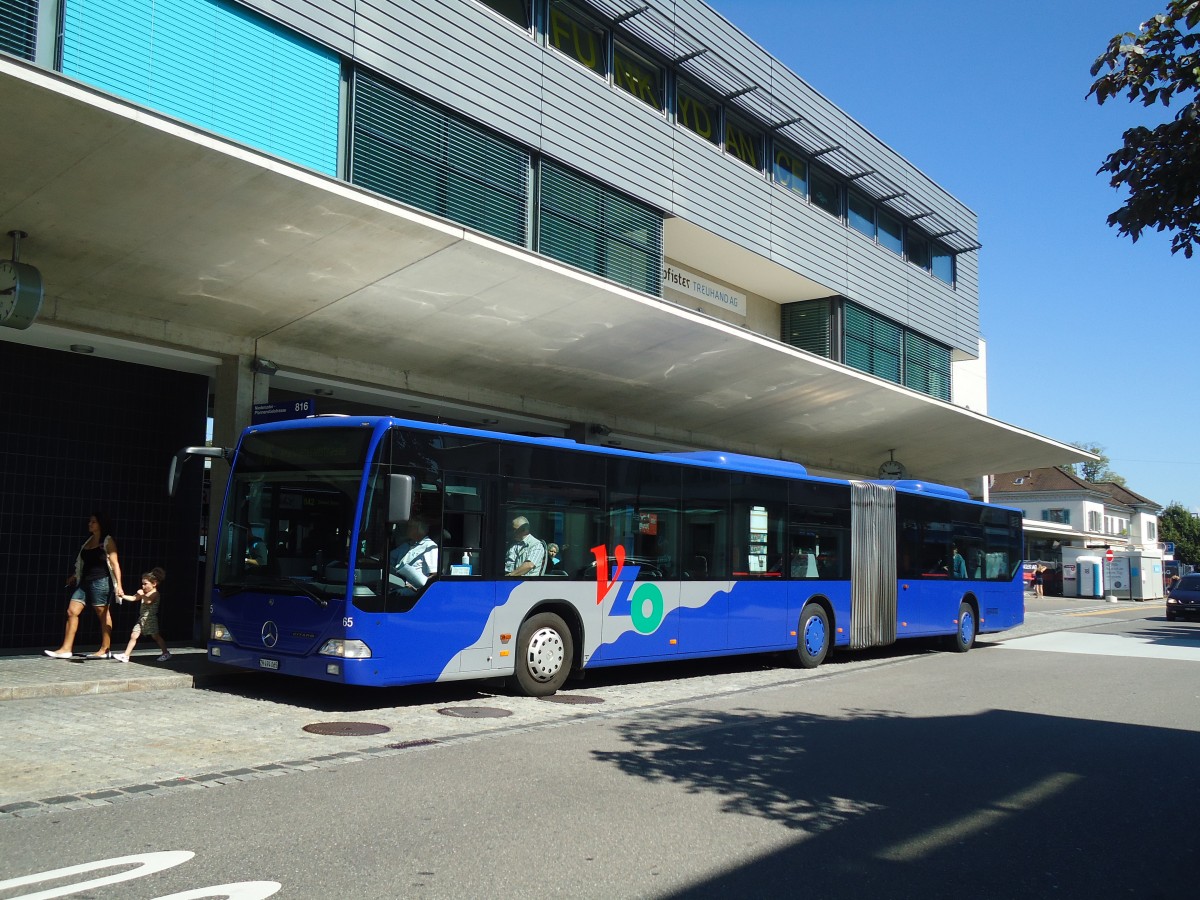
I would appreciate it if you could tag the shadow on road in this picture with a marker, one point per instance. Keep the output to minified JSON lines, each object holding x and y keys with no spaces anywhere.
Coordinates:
{"x":1000,"y":804}
{"x":322,"y":696}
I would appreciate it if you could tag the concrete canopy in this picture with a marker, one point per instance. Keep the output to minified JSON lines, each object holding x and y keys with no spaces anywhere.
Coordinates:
{"x":146,"y":230}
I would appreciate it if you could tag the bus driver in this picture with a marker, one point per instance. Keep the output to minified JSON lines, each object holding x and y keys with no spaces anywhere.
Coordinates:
{"x":414,"y":560}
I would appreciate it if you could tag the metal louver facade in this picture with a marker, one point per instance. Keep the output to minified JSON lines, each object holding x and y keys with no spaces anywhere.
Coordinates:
{"x":18,"y":27}
{"x":213,"y":64}
{"x":592,"y":227}
{"x":414,"y":152}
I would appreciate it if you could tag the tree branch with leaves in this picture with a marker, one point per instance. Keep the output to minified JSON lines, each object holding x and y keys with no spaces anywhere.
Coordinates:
{"x":1160,"y":166}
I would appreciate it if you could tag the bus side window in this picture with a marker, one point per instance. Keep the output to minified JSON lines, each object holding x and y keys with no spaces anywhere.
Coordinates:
{"x":462,"y":534}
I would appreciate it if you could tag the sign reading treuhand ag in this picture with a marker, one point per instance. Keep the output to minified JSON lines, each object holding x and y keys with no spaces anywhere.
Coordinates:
{"x":681,"y":281}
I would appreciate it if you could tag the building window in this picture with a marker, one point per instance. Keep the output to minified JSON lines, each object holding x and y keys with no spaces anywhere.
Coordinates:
{"x":1061,"y":516}
{"x":590,"y":226}
{"x":790,"y":170}
{"x":1093,"y":520}
{"x":891,"y":233}
{"x":569,"y":31}
{"x":916,"y":248}
{"x":18,"y":27}
{"x":414,"y":152}
{"x":743,"y":142}
{"x":642,"y":79}
{"x":943,"y":263}
{"x":698,"y":114}
{"x":807,"y":324}
{"x":873,"y":344}
{"x":517,"y":10}
{"x":860,"y":212}
{"x":215,"y":64}
{"x":826,"y":193}
{"x":1151,"y":531}
{"x":926,"y":366}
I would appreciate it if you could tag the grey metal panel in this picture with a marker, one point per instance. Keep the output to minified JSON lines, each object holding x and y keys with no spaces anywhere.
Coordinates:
{"x":605,"y":132}
{"x":330,"y":22}
{"x":808,"y":240}
{"x":457,"y":54}
{"x":725,"y":197}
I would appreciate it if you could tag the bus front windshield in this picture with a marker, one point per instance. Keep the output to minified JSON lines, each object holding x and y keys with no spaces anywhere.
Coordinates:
{"x":290,"y":511}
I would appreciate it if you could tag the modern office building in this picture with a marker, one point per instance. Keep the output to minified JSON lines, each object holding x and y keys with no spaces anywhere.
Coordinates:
{"x":618,"y":221}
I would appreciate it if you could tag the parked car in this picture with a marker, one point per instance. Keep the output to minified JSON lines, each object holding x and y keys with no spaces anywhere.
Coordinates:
{"x":1184,"y":598}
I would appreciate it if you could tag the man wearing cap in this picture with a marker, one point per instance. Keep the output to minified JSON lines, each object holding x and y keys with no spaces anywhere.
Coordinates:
{"x":526,"y":555}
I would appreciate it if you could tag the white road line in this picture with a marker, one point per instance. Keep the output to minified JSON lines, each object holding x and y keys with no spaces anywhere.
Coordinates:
{"x":1110,"y":645}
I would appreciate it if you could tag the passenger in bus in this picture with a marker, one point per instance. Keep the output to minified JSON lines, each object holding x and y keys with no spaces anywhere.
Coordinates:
{"x":554,"y":564}
{"x":526,"y":554}
{"x":414,"y":559}
{"x":958,"y":565}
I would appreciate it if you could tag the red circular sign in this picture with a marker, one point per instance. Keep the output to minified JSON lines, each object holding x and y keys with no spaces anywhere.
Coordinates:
{"x":1108,"y":554}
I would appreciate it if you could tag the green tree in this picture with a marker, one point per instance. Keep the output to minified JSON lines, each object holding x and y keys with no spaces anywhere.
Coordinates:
{"x":1178,"y":525}
{"x":1097,"y":471}
{"x":1160,"y":166}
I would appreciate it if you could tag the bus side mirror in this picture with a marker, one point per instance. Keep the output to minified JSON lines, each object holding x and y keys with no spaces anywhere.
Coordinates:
{"x":400,"y":495}
{"x":187,"y":453}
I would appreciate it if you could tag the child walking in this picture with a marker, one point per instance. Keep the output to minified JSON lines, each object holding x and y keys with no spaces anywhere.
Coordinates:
{"x":147,"y":622}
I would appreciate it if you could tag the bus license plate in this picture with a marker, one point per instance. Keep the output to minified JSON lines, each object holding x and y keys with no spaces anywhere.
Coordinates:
{"x":268,"y":664}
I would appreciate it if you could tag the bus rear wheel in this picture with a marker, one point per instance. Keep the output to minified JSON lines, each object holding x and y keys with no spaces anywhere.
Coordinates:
{"x":963,"y":638}
{"x":545,"y":650}
{"x":812,"y":639}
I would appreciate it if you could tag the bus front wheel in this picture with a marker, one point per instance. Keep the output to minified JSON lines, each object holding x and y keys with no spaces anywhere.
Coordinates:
{"x":545,"y":650}
{"x":963,"y":638}
{"x":813,"y":638}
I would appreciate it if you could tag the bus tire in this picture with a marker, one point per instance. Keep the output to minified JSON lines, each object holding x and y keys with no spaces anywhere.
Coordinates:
{"x":963,"y":638}
{"x":813,"y":637}
{"x":545,"y":650}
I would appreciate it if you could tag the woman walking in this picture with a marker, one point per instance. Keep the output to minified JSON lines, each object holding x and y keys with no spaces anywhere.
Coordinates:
{"x":97,"y":573}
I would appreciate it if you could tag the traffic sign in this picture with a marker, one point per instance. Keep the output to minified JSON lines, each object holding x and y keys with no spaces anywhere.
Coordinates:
{"x":1108,"y":555}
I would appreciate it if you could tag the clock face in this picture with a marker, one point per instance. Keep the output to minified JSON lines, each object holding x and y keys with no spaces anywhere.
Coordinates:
{"x":891,"y":469}
{"x":8,"y":288}
{"x":20,"y":294}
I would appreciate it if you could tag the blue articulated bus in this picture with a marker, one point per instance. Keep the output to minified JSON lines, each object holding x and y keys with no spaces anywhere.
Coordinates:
{"x":380,"y":551}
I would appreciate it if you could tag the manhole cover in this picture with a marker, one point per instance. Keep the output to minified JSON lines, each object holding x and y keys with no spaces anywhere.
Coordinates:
{"x":572,"y":698}
{"x":476,"y":712}
{"x":345,"y":729}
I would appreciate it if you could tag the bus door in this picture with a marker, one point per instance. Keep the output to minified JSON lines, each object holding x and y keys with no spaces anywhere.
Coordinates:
{"x":640,"y":586}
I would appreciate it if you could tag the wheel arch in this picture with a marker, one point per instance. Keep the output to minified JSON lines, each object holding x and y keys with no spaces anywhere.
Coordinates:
{"x":824,"y":602}
{"x":570,"y":616}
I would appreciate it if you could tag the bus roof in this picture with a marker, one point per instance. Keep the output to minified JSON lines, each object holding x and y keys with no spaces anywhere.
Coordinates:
{"x":711,"y":459}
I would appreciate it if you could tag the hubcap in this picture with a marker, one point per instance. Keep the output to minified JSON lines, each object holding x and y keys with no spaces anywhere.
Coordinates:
{"x":966,"y":626}
{"x":546,"y":654}
{"x":814,"y":635}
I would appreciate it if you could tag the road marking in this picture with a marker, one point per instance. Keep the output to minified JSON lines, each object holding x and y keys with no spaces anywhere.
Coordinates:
{"x":1108,"y":612}
{"x":1181,"y":648}
{"x":955,"y":832}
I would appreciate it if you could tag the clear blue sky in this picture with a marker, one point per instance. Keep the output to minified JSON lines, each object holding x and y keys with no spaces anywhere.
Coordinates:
{"x":1089,"y":335}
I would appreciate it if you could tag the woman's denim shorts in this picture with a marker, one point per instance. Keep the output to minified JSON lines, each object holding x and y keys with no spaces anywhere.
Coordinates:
{"x":93,"y":593}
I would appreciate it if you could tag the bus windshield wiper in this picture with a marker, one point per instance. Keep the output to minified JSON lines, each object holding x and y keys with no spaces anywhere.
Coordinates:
{"x":303,"y":588}
{"x":230,"y":589}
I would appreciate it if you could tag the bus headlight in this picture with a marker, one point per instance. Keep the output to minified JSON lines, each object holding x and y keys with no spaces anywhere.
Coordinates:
{"x":220,"y":633}
{"x":345,"y":649}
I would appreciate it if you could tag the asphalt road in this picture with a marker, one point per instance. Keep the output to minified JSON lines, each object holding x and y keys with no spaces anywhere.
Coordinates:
{"x":1053,"y":763}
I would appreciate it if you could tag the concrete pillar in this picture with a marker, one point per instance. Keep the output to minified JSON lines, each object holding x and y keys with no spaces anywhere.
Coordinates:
{"x":236,"y":389}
